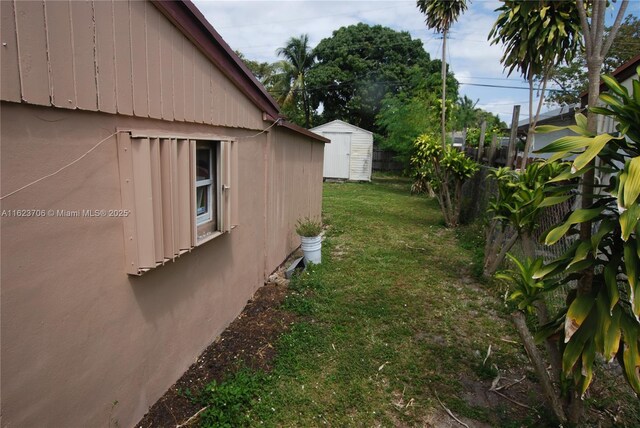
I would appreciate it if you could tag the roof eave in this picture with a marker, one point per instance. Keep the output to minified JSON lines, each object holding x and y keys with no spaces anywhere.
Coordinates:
{"x":303,"y":131}
{"x":621,"y":73}
{"x":192,"y":23}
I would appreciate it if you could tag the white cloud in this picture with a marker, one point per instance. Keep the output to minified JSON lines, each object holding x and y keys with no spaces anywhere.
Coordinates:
{"x":257,"y":28}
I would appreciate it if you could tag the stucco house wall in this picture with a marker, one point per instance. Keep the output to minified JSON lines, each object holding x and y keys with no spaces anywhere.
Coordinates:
{"x":78,"y":333}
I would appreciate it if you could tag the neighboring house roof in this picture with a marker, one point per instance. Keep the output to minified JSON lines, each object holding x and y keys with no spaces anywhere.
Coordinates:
{"x":622,"y":73}
{"x":192,"y":23}
{"x":560,"y":116}
{"x":343,"y":123}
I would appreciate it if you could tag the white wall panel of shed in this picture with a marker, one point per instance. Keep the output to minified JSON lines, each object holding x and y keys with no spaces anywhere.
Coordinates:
{"x":361,"y":156}
{"x":361,"y":152}
{"x":124,"y":57}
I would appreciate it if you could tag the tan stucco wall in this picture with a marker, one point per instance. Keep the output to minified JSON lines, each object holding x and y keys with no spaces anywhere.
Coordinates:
{"x":77,"y":332}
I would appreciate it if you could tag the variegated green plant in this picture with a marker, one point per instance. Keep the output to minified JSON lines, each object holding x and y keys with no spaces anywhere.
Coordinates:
{"x":607,"y":320}
{"x":445,"y":170}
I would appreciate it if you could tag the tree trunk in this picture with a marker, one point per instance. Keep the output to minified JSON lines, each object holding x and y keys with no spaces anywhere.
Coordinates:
{"x":555,"y":358}
{"x":528,"y":245}
{"x":483,"y":130}
{"x":588,"y":179}
{"x":305,"y":105}
{"x":596,"y":48}
{"x":497,"y":246}
{"x":444,"y":88}
{"x":539,"y":365}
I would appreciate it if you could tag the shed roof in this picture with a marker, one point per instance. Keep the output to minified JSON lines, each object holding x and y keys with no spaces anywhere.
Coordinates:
{"x":192,"y":23}
{"x":343,"y":123}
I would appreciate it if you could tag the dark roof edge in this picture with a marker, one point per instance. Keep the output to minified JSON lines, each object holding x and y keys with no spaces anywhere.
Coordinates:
{"x":621,"y":73}
{"x":188,"y":19}
{"x":303,"y":131}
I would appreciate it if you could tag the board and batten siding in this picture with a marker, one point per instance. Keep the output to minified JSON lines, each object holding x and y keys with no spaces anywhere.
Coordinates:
{"x":293,"y":189}
{"x":121,"y":57}
{"x":360,"y":153}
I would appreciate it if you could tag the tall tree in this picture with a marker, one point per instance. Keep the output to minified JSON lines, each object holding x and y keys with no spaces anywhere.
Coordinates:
{"x":298,"y":60}
{"x":592,"y":17}
{"x":359,"y":65}
{"x":572,"y":78}
{"x":626,"y":44}
{"x":465,"y":113}
{"x":439,"y":16}
{"x":403,"y":118}
{"x":537,"y":36}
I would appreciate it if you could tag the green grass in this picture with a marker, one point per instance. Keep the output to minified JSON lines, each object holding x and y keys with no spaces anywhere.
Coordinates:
{"x":392,"y":316}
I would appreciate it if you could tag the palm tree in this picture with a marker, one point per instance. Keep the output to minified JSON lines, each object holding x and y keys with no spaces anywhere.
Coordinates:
{"x":440,"y":15}
{"x":298,"y":59}
{"x":466,"y":113}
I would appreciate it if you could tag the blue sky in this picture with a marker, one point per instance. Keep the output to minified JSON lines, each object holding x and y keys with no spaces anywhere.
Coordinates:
{"x":258,"y":28}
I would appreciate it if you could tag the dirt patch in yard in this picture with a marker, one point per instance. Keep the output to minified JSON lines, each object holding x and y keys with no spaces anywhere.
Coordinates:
{"x":247,"y":342}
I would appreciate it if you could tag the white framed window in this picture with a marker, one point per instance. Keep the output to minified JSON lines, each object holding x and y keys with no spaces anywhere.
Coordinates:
{"x":205,"y":181}
{"x":178,"y":191}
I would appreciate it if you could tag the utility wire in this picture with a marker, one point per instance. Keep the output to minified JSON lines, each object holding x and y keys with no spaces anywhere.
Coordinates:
{"x":98,"y":144}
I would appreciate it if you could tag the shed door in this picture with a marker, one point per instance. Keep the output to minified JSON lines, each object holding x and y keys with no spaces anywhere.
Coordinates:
{"x":336,"y":155}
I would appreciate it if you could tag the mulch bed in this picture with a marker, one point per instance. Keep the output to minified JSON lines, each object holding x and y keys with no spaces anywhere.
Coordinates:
{"x":247,"y":342}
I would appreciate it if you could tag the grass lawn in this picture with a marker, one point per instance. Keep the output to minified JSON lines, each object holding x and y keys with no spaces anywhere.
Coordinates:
{"x":393,"y":327}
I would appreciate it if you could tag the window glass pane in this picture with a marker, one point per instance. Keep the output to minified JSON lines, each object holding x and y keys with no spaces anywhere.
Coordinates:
{"x":203,"y":164}
{"x":202,"y":200}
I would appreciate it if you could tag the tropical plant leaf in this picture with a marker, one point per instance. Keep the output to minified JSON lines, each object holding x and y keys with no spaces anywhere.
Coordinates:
{"x":612,"y":337}
{"x":573,"y":351}
{"x":581,"y":120}
{"x":553,"y":200}
{"x":611,"y":282}
{"x":594,"y":147}
{"x":566,"y":144}
{"x":606,"y":226}
{"x":611,"y":101}
{"x":544,"y":129}
{"x":615,"y":87}
{"x":581,"y":253}
{"x":588,"y":356}
{"x":632,"y":185}
{"x":577,"y":313}
{"x":631,"y":269}
{"x":628,"y":221}
{"x":630,"y":355}
{"x":578,"y":216}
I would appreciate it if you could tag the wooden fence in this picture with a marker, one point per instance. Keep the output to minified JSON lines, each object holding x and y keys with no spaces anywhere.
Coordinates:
{"x":383,"y":160}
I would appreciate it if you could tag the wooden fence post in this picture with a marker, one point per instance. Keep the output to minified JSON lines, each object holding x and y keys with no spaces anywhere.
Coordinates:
{"x":492,"y":149}
{"x":483,"y":129}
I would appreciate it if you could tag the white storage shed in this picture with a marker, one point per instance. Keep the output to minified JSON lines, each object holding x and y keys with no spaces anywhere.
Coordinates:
{"x":350,"y":154}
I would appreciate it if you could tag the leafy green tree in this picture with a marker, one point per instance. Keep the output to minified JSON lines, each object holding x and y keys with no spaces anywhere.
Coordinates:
{"x":403,"y":118}
{"x":263,"y":71}
{"x":298,"y":60}
{"x":469,"y":118}
{"x":439,"y":16}
{"x":360,"y":65}
{"x":592,"y":16}
{"x":572,"y":81}
{"x":516,"y":209}
{"x":572,"y":78}
{"x":445,"y":169}
{"x":625,"y":46}
{"x":603,"y":320}
{"x":537,"y":36}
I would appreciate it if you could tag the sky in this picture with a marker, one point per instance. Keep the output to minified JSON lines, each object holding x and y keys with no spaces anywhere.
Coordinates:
{"x":258,"y":28}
